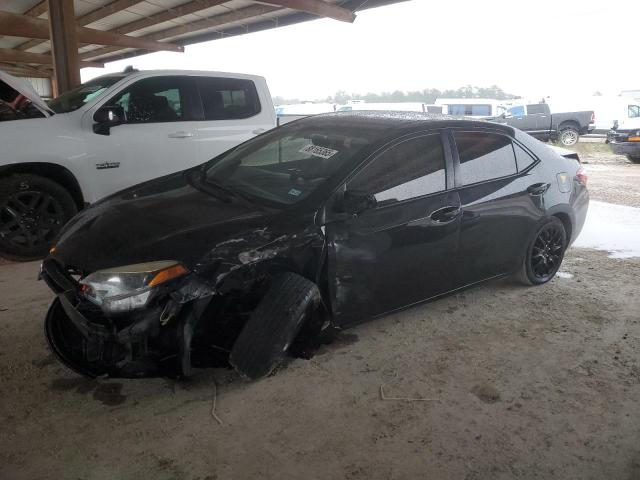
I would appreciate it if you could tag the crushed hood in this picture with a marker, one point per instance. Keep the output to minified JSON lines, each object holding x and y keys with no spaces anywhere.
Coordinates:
{"x":167,"y":218}
{"x":25,"y":88}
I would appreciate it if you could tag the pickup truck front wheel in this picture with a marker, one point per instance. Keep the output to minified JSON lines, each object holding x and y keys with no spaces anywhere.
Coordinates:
{"x":634,"y":158}
{"x":569,"y":136}
{"x":33,"y":209}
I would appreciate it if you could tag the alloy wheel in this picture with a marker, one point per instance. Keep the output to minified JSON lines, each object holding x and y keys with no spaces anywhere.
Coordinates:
{"x":30,"y":218}
{"x":547,"y":252}
{"x":569,"y":137}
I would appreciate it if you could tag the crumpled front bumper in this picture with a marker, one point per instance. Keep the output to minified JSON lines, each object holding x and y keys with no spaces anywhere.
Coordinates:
{"x":132,"y":344}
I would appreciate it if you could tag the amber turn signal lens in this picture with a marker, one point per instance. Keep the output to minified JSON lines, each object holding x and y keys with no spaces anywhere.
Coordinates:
{"x":52,"y":250}
{"x":634,"y":139}
{"x":168,"y":274}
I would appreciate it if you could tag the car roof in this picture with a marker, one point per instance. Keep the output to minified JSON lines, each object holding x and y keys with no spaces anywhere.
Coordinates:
{"x":403,"y":120}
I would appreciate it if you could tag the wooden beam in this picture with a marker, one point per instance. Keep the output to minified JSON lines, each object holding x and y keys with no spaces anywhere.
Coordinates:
{"x":37,"y":10}
{"x":211,"y":22}
{"x":34,"y":11}
{"x":14,"y":25}
{"x":167,"y":15}
{"x":10,"y":55}
{"x":64,"y":44}
{"x":93,"y":16}
{"x":105,"y":11}
{"x":316,"y":7}
{"x":24,"y":71}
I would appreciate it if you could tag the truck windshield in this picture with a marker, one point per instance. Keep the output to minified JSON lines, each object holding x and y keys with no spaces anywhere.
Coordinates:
{"x":286,"y":165}
{"x":76,"y":98}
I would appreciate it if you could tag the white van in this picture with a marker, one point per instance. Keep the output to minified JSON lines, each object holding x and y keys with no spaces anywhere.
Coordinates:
{"x":473,"y":107}
{"x":110,"y":133}
{"x":607,"y":109}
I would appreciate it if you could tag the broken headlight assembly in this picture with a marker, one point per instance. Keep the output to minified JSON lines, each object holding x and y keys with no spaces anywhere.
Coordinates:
{"x":130,"y":287}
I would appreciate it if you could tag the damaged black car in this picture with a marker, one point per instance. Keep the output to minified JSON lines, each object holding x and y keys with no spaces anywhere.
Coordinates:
{"x":320,"y":224}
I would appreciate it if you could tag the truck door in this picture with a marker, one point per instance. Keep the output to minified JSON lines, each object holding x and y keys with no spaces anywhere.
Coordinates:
{"x":538,"y":123}
{"x":156,"y":139}
{"x":233,"y":112}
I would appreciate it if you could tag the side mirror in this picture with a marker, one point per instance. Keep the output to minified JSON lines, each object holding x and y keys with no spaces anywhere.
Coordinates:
{"x":355,"y":202}
{"x":107,"y":117}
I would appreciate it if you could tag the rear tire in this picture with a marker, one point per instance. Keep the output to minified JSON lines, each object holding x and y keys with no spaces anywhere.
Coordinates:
{"x":272,"y":327}
{"x":633,"y":158}
{"x":569,"y":136}
{"x":544,"y":253}
{"x":33,"y":210}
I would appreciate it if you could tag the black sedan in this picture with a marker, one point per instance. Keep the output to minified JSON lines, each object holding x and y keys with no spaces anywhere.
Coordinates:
{"x":316,"y":225}
{"x":625,"y":142}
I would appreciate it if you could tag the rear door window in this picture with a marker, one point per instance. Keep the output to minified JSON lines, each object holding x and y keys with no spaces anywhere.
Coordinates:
{"x":536,"y":109}
{"x":410,"y":169}
{"x":634,"y":111}
{"x":484,"y":156}
{"x":228,"y":98}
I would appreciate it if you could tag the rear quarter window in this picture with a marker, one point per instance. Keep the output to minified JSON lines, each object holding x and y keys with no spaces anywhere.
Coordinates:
{"x":484,"y":156}
{"x":228,"y":98}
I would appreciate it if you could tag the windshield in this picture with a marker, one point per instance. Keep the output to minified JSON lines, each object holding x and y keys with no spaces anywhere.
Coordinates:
{"x":76,"y":98}
{"x":286,"y":165}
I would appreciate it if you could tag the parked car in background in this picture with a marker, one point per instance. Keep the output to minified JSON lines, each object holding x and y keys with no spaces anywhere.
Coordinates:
{"x":327,"y":221}
{"x":538,"y":121}
{"x":385,"y":106}
{"x":626,"y":140}
{"x":472,"y":107}
{"x":289,"y":113}
{"x":110,"y":133}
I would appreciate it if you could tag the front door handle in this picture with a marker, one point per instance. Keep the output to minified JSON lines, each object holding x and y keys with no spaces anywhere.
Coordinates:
{"x":258,"y":131}
{"x":445,"y":214}
{"x":181,"y":135}
{"x":538,"y":188}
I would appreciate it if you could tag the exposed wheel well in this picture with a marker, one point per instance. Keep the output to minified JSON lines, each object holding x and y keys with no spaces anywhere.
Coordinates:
{"x":569,"y":124}
{"x":52,"y":171}
{"x":566,"y":222}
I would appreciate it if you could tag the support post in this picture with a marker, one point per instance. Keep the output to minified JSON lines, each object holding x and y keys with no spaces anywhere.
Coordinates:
{"x":64,"y":44}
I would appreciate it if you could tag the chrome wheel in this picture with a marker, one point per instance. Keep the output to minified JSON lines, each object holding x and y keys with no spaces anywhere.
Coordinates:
{"x":569,"y":137}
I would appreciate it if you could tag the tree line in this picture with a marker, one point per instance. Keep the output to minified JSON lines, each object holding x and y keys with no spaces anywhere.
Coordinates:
{"x":427,"y":95}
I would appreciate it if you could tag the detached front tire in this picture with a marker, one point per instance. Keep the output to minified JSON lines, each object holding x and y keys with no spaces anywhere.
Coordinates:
{"x":290,"y":302}
{"x":544,"y":253}
{"x":33,"y":209}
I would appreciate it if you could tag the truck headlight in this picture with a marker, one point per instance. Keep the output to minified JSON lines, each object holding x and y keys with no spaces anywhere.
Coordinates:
{"x":130,"y":287}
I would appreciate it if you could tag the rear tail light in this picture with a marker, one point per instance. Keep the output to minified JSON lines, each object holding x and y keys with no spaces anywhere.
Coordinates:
{"x":581,"y":175}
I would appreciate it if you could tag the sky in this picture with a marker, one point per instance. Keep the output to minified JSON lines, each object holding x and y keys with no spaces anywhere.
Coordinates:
{"x":531,"y":48}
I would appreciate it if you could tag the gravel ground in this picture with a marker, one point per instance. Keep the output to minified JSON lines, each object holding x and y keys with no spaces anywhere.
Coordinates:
{"x":517,"y":383}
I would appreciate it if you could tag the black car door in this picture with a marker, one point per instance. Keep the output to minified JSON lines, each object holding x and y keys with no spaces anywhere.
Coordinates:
{"x":403,"y":249}
{"x":501,"y":202}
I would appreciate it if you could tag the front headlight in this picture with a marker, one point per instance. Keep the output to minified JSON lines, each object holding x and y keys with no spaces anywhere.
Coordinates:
{"x":126,"y":288}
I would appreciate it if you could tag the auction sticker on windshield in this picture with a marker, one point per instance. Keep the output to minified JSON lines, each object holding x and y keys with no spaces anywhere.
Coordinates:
{"x":316,"y":151}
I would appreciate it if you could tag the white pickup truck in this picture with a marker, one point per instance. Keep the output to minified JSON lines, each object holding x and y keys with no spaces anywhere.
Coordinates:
{"x":110,"y":133}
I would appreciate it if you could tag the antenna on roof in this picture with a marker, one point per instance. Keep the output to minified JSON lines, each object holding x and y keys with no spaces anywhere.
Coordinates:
{"x":130,"y":69}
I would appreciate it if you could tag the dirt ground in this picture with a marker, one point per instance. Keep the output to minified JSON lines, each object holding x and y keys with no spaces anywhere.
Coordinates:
{"x":496,"y":382}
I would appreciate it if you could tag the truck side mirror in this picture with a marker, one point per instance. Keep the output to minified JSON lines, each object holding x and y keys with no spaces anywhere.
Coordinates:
{"x":106,"y":117}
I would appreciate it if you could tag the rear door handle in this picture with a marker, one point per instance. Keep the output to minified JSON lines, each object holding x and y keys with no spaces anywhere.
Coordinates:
{"x":538,"y":188}
{"x":445,"y":214}
{"x":181,"y":135}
